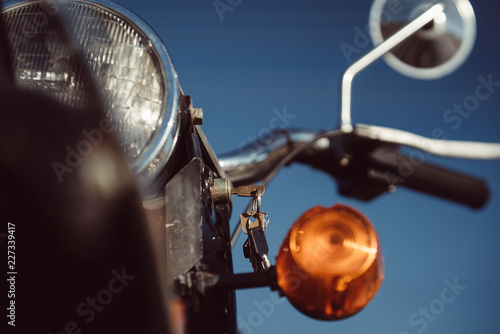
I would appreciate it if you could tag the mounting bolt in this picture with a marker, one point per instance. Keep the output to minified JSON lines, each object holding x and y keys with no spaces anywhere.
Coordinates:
{"x":345,"y":161}
{"x":197,"y":114}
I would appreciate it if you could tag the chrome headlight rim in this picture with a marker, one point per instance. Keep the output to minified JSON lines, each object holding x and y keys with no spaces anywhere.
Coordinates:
{"x":152,"y":160}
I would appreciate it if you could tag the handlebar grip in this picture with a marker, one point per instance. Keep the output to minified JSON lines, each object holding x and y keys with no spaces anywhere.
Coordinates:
{"x":365,"y":168}
{"x":429,"y":178}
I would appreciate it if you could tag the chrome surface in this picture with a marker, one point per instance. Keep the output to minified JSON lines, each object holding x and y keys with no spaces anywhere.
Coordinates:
{"x":440,"y":147}
{"x":243,"y":167}
{"x":435,"y":50}
{"x":254,"y":161}
{"x":372,"y":56}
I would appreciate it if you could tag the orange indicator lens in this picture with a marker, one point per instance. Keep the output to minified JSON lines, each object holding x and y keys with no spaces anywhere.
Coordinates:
{"x":330,"y":264}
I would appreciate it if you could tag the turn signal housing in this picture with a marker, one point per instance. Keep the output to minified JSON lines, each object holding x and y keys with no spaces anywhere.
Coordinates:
{"x":330,"y":265}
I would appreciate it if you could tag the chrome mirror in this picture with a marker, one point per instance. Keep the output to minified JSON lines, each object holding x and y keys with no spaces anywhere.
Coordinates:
{"x":438,"y":48}
{"x":426,"y":40}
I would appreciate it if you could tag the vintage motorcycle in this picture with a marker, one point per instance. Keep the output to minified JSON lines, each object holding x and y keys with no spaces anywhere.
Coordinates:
{"x":109,"y":178}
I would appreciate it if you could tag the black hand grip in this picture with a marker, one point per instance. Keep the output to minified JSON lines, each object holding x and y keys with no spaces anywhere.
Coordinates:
{"x":391,"y":166}
{"x":365,"y":168}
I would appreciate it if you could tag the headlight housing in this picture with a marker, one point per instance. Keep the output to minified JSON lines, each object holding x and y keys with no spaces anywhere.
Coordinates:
{"x":126,"y":59}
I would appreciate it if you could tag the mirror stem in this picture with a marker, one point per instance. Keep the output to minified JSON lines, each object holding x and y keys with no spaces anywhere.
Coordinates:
{"x":376,"y":53}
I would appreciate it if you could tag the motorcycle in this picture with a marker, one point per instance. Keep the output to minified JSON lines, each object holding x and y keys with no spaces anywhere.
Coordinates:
{"x":96,"y":267}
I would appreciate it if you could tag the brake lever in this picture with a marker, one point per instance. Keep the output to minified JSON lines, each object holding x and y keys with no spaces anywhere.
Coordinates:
{"x":440,"y":147}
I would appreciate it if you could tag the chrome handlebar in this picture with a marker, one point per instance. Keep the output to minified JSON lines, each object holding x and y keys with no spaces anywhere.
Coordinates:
{"x":254,"y":161}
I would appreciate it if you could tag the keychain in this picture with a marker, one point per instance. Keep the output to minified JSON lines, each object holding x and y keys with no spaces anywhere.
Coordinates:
{"x":254,"y":223}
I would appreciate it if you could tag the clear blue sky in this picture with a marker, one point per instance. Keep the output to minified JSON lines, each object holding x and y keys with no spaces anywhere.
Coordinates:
{"x":273,"y":55}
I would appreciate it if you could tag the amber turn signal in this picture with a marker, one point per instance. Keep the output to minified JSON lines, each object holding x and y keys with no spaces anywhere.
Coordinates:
{"x":330,"y":264}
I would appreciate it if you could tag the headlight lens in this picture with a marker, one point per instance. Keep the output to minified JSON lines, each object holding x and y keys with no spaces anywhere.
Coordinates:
{"x":128,"y":63}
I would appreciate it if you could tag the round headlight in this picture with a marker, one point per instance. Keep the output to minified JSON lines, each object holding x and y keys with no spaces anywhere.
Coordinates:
{"x":126,"y":59}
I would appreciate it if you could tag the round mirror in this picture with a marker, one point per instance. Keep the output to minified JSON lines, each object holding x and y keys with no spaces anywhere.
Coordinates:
{"x":434,"y":51}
